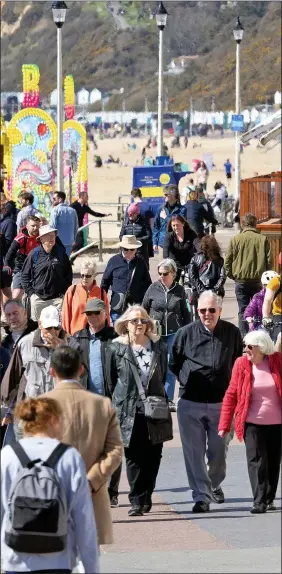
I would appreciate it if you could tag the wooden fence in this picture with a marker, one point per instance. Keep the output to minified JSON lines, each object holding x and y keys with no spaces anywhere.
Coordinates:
{"x":262,"y":196}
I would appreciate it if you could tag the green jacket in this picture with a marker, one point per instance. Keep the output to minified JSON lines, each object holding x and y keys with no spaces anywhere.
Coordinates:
{"x":248,"y":256}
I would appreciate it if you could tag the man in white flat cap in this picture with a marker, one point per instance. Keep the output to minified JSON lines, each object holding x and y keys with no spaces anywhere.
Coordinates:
{"x":127,"y":276}
{"x":47,"y":273}
{"x":28,"y":374}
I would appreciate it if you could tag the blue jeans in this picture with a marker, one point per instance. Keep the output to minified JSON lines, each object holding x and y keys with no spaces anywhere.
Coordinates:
{"x":170,"y":377}
{"x":68,"y":249}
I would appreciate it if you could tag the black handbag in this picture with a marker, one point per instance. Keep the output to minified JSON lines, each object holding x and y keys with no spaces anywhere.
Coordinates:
{"x":156,"y":408}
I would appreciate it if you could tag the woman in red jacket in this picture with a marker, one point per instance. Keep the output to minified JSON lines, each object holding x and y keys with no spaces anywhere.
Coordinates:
{"x":254,"y":394}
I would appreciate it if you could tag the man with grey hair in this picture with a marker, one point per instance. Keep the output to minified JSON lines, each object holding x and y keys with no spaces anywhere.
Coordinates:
{"x":202,"y":357}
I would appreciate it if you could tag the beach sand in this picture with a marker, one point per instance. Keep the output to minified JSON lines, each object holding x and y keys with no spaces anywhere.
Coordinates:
{"x":107,"y":183}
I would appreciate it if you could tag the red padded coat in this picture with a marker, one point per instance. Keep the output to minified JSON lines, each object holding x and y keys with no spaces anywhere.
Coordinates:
{"x":238,"y":394}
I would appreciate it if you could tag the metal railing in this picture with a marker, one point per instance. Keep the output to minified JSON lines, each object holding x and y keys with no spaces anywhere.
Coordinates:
{"x":98,"y":241}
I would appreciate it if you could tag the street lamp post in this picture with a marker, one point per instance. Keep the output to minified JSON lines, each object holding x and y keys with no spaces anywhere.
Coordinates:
{"x":161,"y":19}
{"x":238,"y":33}
{"x":59,"y":10}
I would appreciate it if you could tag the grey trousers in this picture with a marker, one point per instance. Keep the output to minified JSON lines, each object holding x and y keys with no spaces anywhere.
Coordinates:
{"x":198,"y":427}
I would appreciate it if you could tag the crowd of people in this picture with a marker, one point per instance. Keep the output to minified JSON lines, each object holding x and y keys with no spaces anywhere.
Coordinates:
{"x":87,"y":378}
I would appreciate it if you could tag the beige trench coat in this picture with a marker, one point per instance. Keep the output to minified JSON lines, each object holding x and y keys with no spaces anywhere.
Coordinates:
{"x":91,"y":426}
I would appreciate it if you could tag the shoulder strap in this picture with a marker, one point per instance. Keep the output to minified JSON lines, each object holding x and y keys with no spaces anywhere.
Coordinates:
{"x":56,"y":455}
{"x":35,"y":255}
{"x":131,"y":278}
{"x":21,"y":454}
{"x":73,"y":292}
{"x":138,"y":382}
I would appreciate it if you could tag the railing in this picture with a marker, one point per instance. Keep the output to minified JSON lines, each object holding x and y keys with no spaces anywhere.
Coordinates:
{"x":121,"y":206}
{"x":262,"y":196}
{"x":98,"y":241}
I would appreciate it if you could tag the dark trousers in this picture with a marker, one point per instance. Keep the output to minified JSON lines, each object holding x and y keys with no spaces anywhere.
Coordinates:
{"x":277,"y":324}
{"x":142,"y":463}
{"x":244,"y":292}
{"x":114,"y":482}
{"x":79,"y":241}
{"x":263,"y":449}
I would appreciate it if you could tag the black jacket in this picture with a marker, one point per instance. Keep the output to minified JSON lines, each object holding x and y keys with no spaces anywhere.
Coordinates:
{"x":181,"y":253}
{"x":203,"y":361}
{"x":124,"y":391}
{"x":8,"y":342}
{"x":8,"y":229}
{"x":81,"y":210}
{"x":196,"y":214}
{"x":117,"y":276}
{"x":169,"y":307}
{"x":106,"y":335}
{"x":207,"y":274}
{"x":142,"y":231}
{"x":48,"y":275}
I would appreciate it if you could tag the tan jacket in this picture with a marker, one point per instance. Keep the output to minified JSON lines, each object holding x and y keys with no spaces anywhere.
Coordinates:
{"x":91,"y":426}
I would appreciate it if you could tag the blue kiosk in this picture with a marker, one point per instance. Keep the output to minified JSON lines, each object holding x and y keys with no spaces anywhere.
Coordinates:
{"x":151,"y":179}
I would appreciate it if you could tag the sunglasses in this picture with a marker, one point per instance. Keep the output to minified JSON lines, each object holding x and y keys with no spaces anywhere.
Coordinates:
{"x":85,"y":276}
{"x":92,"y":313}
{"x":50,"y":328}
{"x":164,"y":274}
{"x":250,"y":347}
{"x":137,"y":321}
{"x":126,"y":249}
{"x":207,"y":310}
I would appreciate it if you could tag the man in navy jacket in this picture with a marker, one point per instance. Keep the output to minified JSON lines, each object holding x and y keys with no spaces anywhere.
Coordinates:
{"x":127,"y":275}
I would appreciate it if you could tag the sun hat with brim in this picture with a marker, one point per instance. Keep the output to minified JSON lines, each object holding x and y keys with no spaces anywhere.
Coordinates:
{"x":94,"y":305}
{"x":46,"y":229}
{"x":50,"y":317}
{"x":130,"y":242}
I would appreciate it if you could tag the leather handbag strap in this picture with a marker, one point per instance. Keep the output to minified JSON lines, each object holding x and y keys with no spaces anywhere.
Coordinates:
{"x":138,"y":382}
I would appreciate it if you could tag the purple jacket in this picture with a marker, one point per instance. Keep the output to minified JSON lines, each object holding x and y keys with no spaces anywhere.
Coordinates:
{"x":254,"y":308}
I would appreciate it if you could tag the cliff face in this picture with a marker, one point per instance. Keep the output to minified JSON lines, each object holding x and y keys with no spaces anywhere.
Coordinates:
{"x":109,"y":45}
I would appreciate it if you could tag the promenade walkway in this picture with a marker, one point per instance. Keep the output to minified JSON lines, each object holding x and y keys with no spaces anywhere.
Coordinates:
{"x":173,"y":539}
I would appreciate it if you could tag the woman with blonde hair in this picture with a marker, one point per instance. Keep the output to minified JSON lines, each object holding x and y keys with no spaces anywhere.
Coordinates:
{"x":76,"y":297}
{"x":254,"y":395}
{"x":65,"y":530}
{"x":137,"y":365}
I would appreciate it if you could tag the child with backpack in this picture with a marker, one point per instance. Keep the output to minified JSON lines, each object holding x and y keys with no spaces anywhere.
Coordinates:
{"x":48,"y":517}
{"x":253,"y":313}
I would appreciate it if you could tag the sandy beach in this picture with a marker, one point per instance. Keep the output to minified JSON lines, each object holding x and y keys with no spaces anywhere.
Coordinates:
{"x":107,"y":183}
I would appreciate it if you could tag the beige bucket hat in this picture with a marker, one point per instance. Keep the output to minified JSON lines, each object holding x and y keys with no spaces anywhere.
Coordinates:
{"x":130,"y":242}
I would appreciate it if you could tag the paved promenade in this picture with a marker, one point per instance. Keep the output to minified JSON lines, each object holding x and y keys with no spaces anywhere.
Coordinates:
{"x":173,"y":539}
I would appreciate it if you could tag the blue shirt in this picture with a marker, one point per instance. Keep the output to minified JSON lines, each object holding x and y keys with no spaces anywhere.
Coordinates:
{"x":96,"y":378}
{"x":64,"y":219}
{"x":228,"y":167}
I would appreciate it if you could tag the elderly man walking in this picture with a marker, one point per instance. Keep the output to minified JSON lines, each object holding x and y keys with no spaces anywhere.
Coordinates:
{"x":47,"y":273}
{"x":202,"y":357}
{"x":248,"y":256}
{"x":91,"y":426}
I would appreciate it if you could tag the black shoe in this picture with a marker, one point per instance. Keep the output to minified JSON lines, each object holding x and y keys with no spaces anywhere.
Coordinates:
{"x":147,"y":507}
{"x":218,"y":495}
{"x":135,"y":511}
{"x":114,"y":501}
{"x":258,"y":508}
{"x":201,"y":506}
{"x":271,"y":506}
{"x":171,"y":406}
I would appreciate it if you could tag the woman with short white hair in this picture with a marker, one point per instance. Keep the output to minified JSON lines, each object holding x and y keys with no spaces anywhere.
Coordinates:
{"x":165,"y":301}
{"x":73,"y":317}
{"x":254,"y":395}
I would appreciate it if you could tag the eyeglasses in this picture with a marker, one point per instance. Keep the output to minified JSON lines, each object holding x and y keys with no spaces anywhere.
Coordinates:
{"x":50,"y":328}
{"x":92,"y":313}
{"x":126,"y":249}
{"x":207,"y":310}
{"x":85,"y":276}
{"x":164,"y":273}
{"x":137,"y":321}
